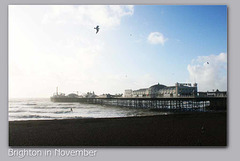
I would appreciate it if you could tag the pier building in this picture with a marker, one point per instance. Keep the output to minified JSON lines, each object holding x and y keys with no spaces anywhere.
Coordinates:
{"x":182,"y":96}
{"x":128,"y":93}
{"x":216,"y":93}
{"x":160,"y":90}
{"x":140,"y":92}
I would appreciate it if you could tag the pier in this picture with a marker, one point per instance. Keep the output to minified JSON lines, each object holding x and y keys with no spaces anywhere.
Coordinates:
{"x":175,"y":103}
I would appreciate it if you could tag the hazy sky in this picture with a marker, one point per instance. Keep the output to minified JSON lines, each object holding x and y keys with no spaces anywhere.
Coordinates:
{"x":136,"y":47}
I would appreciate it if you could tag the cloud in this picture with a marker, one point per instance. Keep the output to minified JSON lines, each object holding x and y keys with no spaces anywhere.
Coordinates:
{"x":57,"y":46}
{"x":210,"y":72}
{"x":156,"y":38}
{"x":88,"y":15}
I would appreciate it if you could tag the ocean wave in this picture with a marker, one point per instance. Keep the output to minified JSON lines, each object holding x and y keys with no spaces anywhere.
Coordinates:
{"x":53,"y":107}
{"x":44,"y":109}
{"x":59,"y":112}
{"x":67,"y":104}
{"x":43,"y":112}
{"x":30,"y":104}
{"x":17,"y":111}
{"x":32,"y":116}
{"x":38,"y":117}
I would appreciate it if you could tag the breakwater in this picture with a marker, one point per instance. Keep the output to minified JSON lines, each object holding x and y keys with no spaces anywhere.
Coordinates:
{"x":174,"y":103}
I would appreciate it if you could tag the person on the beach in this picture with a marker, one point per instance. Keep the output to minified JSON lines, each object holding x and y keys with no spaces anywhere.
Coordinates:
{"x":71,"y":110}
{"x":202,"y":129}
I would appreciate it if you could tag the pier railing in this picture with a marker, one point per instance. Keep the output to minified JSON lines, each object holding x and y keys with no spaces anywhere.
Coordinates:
{"x":177,"y":103}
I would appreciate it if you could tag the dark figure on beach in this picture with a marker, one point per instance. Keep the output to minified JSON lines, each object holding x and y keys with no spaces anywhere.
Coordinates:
{"x":202,"y":129}
{"x":71,"y":110}
{"x":97,"y":29}
{"x":207,"y":62}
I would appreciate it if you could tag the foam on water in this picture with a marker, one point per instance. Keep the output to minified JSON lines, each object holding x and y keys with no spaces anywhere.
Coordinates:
{"x":44,"y":109}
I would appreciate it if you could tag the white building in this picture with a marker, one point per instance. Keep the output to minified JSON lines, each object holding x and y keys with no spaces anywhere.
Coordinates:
{"x":140,"y":92}
{"x":159,"y":90}
{"x":180,"y":89}
{"x":128,"y":93}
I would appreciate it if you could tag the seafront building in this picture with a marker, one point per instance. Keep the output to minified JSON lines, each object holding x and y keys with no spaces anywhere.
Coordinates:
{"x":160,"y":90}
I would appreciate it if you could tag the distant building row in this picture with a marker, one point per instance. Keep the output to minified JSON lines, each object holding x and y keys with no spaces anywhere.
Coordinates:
{"x":155,"y":91}
{"x":87,"y":95}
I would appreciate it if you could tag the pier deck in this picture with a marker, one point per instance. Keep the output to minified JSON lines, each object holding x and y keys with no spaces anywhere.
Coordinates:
{"x":172,"y":103}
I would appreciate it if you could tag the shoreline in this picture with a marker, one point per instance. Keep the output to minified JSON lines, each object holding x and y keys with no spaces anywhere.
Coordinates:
{"x":164,"y":113}
{"x":183,"y":129}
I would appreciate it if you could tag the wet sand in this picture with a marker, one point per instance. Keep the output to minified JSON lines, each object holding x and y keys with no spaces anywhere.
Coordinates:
{"x":195,"y":129}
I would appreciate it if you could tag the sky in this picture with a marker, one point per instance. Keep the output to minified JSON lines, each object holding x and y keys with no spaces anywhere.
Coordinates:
{"x":136,"y":47}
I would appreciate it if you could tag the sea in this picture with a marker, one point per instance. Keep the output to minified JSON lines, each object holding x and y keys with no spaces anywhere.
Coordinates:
{"x":44,"y":109}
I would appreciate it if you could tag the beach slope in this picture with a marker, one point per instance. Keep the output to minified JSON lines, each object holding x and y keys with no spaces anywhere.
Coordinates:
{"x":195,"y":129}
